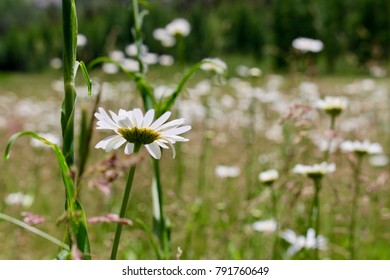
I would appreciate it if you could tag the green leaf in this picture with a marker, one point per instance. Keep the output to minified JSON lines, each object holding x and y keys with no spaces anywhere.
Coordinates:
{"x":144,"y":88}
{"x":153,"y":242}
{"x":167,"y":105}
{"x":34,"y":230}
{"x":73,"y":206}
{"x":86,"y":77}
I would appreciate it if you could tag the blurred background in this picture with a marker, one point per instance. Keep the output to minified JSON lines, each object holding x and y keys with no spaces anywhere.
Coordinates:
{"x":355,"y":33}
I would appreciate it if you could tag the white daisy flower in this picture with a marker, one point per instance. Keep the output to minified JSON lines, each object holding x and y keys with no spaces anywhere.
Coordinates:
{"x":135,"y":129}
{"x":266,"y":226}
{"x":298,"y":242}
{"x":308,"y":45}
{"x":225,"y":171}
{"x":269,"y":176}
{"x":362,"y":148}
{"x":332,"y":105}
{"x":179,"y":27}
{"x":314,"y":171}
{"x":215,"y":65}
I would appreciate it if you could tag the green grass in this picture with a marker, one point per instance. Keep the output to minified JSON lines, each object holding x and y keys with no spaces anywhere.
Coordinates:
{"x":214,"y":221}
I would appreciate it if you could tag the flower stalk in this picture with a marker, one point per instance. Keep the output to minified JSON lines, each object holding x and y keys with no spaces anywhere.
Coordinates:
{"x":355,"y":198}
{"x":123,"y":209}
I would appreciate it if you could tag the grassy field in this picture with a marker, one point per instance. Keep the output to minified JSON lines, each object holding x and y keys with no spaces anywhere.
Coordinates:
{"x":253,"y":123}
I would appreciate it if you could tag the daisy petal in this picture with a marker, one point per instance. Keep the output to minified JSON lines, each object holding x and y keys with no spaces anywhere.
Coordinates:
{"x":148,"y":118}
{"x":160,"y":120}
{"x":154,"y":150}
{"x":129,"y":148}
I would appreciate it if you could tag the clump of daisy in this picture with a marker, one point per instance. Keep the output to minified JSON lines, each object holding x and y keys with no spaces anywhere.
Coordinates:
{"x":268,"y":177}
{"x":135,"y":130}
{"x":360,"y":150}
{"x":316,"y":173}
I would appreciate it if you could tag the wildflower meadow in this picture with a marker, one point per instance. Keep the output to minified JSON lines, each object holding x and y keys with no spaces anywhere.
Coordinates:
{"x":156,"y":131}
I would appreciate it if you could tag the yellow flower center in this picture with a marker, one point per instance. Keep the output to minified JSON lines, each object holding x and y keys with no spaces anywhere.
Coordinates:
{"x":139,"y":135}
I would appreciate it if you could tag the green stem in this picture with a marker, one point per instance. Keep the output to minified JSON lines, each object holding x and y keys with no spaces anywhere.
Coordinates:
{"x":162,"y":224}
{"x":125,"y":201}
{"x":68,"y":104}
{"x":275,"y":215}
{"x":137,"y":35}
{"x":329,"y":143}
{"x":355,"y":198}
{"x":316,"y":212}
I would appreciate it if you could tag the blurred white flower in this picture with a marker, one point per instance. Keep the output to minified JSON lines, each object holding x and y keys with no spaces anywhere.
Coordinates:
{"x":131,"y":50}
{"x":225,"y":171}
{"x":214,"y":65}
{"x":269,"y":176}
{"x":133,"y":128}
{"x":379,"y":160}
{"x":51,"y":137}
{"x":165,"y":38}
{"x":130,"y":64}
{"x":166,"y":60}
{"x":308,"y":45}
{"x":150,"y":58}
{"x":332,"y":105}
{"x":56,"y":63}
{"x":110,"y":68}
{"x":266,"y":226}
{"x":314,"y":171}
{"x":310,"y":241}
{"x":117,"y":55}
{"x":19,"y":198}
{"x":81,"y":40}
{"x":361,"y":148}
{"x":179,"y":27}
{"x":162,"y":91}
{"x":254,"y":72}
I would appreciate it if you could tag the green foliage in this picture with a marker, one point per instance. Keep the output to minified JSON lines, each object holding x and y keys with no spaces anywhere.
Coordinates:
{"x":258,"y":28}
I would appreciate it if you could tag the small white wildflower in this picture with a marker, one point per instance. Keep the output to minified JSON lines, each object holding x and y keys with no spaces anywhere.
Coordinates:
{"x":134,"y":128}
{"x":269,"y":176}
{"x":166,"y":60}
{"x":215,"y":65}
{"x":225,"y":171}
{"x":266,"y":226}
{"x":131,"y":50}
{"x":314,"y":171}
{"x":19,"y":198}
{"x":110,"y":68}
{"x":361,"y":148}
{"x":179,"y":27}
{"x":81,"y":40}
{"x":56,"y":63}
{"x":162,"y":35}
{"x":308,"y":45}
{"x":310,"y":241}
{"x":51,"y":137}
{"x":332,"y":105}
{"x":254,"y":72}
{"x":379,"y":160}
